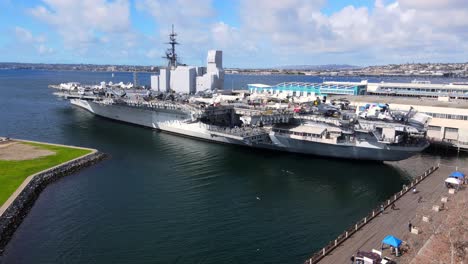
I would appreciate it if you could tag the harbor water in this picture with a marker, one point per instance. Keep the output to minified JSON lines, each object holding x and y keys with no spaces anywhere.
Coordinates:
{"x":161,"y":198}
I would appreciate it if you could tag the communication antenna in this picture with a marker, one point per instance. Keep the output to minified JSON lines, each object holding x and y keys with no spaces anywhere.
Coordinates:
{"x":171,"y":55}
{"x":135,"y":78}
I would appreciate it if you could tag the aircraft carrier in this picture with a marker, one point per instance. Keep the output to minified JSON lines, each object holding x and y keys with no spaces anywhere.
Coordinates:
{"x":190,"y":101}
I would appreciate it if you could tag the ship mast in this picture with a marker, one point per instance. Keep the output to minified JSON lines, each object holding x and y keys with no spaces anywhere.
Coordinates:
{"x":171,"y":55}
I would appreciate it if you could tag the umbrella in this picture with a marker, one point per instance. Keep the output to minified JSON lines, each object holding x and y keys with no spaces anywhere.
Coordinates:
{"x":452,"y":181}
{"x":457,"y":174}
{"x":392,"y":241}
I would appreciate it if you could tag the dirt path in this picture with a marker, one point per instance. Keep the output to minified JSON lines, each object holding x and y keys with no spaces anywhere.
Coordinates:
{"x":20,"y":151}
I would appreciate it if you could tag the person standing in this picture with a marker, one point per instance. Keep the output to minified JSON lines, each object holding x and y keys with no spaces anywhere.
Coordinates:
{"x":381,"y":208}
{"x":352,"y":259}
{"x":409,"y":226}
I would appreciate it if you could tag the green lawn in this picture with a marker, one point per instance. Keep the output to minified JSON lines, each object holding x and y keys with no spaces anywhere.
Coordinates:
{"x":13,"y":173}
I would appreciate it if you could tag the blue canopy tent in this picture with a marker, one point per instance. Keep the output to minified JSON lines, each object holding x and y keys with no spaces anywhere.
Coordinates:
{"x":392,"y":241}
{"x":457,"y":174}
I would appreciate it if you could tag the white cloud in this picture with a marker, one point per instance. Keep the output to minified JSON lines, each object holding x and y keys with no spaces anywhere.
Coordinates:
{"x":83,"y":23}
{"x":25,"y":39}
{"x":153,"y":53}
{"x":198,"y":27}
{"x":23,"y":35}
{"x":268,"y":32}
{"x":395,"y":30}
{"x":42,"y":49}
{"x":189,"y":17}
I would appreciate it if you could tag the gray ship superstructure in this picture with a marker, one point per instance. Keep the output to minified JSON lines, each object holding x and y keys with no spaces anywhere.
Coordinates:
{"x":185,"y":100}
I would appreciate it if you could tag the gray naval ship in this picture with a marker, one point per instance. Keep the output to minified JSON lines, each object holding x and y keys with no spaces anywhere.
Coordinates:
{"x":190,"y":101}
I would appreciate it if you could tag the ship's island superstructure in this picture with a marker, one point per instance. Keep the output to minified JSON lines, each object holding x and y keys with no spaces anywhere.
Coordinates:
{"x":190,"y":101}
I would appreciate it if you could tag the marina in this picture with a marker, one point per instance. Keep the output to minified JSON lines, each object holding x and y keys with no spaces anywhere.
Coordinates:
{"x":305,"y":201}
{"x":279,"y":132}
{"x":190,"y":101}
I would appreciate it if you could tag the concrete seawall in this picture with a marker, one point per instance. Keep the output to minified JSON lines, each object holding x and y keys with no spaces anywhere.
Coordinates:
{"x":19,"y":205}
{"x":373,"y":227}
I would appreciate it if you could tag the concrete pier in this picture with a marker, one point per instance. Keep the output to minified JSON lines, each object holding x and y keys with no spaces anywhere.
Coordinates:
{"x":368,"y":233}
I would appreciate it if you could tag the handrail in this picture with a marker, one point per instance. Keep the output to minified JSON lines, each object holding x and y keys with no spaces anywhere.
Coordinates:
{"x":317,"y":256}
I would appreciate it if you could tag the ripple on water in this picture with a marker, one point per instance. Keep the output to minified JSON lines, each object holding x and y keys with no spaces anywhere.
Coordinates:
{"x":162,"y":198}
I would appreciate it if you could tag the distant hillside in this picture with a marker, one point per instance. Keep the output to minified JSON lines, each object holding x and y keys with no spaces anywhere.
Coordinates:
{"x":75,"y":67}
{"x":326,"y":67}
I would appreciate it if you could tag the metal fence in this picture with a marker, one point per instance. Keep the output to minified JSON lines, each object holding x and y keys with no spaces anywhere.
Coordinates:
{"x":317,"y":256}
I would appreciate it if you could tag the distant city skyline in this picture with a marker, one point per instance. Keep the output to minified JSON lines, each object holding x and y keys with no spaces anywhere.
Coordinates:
{"x":252,"y":34}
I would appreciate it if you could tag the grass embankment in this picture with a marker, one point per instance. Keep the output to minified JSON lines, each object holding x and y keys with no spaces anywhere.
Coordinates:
{"x":14,"y":172}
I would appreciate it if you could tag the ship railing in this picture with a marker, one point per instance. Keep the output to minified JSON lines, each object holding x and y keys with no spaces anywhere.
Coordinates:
{"x":318,"y":119}
{"x":239,"y":131}
{"x":327,"y":249}
{"x":261,"y":112}
{"x":155,"y":105}
{"x":314,"y":138}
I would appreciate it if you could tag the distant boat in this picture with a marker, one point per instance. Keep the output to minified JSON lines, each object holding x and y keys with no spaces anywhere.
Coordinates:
{"x":112,"y":75}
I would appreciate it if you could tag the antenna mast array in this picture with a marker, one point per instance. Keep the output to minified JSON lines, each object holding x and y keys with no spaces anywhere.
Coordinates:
{"x":171,"y":55}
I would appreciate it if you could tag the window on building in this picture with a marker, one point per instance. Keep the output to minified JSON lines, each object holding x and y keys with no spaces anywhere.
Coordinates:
{"x":451,"y":129}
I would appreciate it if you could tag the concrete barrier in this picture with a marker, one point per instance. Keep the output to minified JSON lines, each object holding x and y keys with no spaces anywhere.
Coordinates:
{"x":11,"y":219}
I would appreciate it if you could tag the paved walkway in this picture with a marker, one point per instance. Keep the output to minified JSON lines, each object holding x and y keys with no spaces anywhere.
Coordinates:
{"x":392,"y":222}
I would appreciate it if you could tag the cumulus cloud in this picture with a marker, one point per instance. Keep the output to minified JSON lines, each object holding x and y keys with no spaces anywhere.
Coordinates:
{"x":25,"y":39}
{"x":199,"y":29}
{"x":189,"y":17}
{"x":403,"y":29}
{"x":291,"y":31}
{"x":82,"y":23}
{"x":23,"y":35}
{"x":42,"y":49}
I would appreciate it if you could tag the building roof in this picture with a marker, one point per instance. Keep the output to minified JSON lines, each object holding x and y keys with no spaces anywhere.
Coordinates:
{"x":307,"y":85}
{"x":317,"y":85}
{"x":317,"y":130}
{"x":459,"y":104}
{"x":421,"y":85}
{"x":261,"y":85}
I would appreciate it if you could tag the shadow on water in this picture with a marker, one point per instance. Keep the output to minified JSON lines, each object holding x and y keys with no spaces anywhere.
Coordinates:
{"x":242,"y":160}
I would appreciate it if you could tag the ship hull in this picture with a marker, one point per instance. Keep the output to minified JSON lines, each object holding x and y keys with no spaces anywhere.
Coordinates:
{"x":172,"y":121}
{"x":377,"y":152}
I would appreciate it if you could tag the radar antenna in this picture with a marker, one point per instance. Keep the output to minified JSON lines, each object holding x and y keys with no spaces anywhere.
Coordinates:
{"x":171,"y":55}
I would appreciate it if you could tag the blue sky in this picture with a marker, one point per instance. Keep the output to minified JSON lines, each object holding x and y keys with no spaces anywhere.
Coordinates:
{"x":251,"y":33}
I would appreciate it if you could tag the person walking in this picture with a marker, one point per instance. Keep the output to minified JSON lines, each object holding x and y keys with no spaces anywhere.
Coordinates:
{"x":409,"y":226}
{"x":352,"y":259}
{"x":381,"y":208}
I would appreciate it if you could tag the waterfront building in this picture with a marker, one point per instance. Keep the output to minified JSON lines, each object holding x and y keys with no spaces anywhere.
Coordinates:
{"x":299,"y":89}
{"x":449,"y":122}
{"x":414,"y":89}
